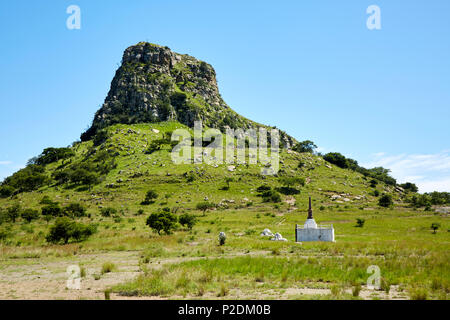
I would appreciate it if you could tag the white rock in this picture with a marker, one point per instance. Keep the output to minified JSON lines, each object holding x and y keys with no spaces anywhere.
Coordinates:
{"x":266,"y":232}
{"x":278,"y":237}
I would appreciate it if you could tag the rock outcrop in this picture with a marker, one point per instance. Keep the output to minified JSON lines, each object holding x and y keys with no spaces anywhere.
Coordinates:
{"x":155,"y":84}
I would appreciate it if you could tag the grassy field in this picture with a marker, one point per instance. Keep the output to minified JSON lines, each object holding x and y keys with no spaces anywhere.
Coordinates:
{"x":413,"y":260}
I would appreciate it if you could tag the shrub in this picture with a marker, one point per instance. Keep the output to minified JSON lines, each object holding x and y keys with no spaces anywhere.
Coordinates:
{"x":150,"y":197}
{"x":52,"y":210}
{"x":27,"y":179}
{"x":100,"y":137}
{"x":50,"y":155}
{"x":263,"y":188}
{"x":360,"y":222}
{"x":30,"y":215}
{"x":12,"y":213}
{"x":108,"y":267}
{"x":65,"y":229}
{"x":188,"y":220}
{"x":6,"y":191}
{"x":75,"y":210}
{"x":435,"y":226}
{"x":356,"y":289}
{"x":4,"y":234}
{"x":271,"y":196}
{"x":418,"y":294}
{"x":337,"y":159}
{"x":203,"y":206}
{"x":385,"y":201}
{"x":108,"y":212}
{"x":160,"y":221}
{"x":305,"y":146}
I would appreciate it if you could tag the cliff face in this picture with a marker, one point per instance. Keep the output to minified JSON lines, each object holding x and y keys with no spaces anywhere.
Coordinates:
{"x":154,"y":84}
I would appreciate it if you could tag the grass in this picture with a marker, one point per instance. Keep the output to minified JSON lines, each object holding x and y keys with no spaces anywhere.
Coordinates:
{"x":108,"y":267}
{"x":399,"y":240}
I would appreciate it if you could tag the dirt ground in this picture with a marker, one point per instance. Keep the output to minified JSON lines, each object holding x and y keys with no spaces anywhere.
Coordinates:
{"x":46,"y":279}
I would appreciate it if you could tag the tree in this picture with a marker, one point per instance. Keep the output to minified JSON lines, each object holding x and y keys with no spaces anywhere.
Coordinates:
{"x":12,"y":213}
{"x":203,"y":206}
{"x":435,"y":226}
{"x":305,"y":146}
{"x":385,"y":200}
{"x":75,"y":210}
{"x":52,"y":210}
{"x":162,"y":220}
{"x":409,"y":187}
{"x":337,"y":159}
{"x":30,"y":215}
{"x":65,"y":229}
{"x":150,"y":197}
{"x":188,"y":220}
{"x":108,"y":212}
{"x":50,"y":155}
{"x":6,"y":191}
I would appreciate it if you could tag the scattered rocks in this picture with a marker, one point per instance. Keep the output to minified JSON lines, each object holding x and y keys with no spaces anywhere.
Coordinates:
{"x":266,"y":233}
{"x":278,"y":237}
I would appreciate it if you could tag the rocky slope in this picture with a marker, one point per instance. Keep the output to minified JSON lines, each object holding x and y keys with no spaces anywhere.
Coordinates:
{"x":155,"y":84}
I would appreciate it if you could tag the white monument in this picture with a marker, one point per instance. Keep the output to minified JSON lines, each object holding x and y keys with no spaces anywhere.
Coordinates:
{"x":313,"y":232}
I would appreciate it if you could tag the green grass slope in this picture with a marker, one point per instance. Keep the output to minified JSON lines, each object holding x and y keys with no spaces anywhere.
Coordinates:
{"x":412,"y":258}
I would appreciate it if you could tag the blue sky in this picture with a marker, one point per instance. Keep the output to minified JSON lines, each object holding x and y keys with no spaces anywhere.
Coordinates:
{"x":312,"y":68}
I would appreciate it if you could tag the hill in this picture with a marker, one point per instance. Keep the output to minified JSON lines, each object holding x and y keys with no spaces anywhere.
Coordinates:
{"x":100,"y":193}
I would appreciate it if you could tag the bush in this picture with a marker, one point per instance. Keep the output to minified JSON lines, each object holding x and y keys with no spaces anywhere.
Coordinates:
{"x":108,"y":267}
{"x":30,"y":215}
{"x":75,"y":210}
{"x":435,"y":226}
{"x":108,"y":212}
{"x":12,"y":213}
{"x":51,"y":155}
{"x":6,"y":191}
{"x":100,"y":137}
{"x":271,"y":196}
{"x":150,"y":197}
{"x":305,"y":146}
{"x":27,"y":179}
{"x":188,"y":220}
{"x":337,"y":159}
{"x":65,"y":229}
{"x":360,"y":222}
{"x":263,"y":188}
{"x":52,"y":210}
{"x":203,"y":206}
{"x":160,"y":221}
{"x":385,"y":201}
{"x":4,"y":234}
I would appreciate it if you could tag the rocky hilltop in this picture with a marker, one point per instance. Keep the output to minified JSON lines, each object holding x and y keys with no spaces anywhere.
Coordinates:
{"x":155,"y":84}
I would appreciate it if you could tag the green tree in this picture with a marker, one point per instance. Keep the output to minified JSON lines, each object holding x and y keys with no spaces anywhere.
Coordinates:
{"x":74,"y":209}
{"x":150,"y":197}
{"x":205,"y":205}
{"x":385,"y":200}
{"x":65,"y":229}
{"x":51,"y":210}
{"x":188,"y":220}
{"x":30,"y":215}
{"x":162,"y":221}
{"x":12,"y":213}
{"x":305,"y":146}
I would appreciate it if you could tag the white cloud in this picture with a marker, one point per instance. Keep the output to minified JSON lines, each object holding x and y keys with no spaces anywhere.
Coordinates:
{"x":431,"y":172}
{"x":5,"y":163}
